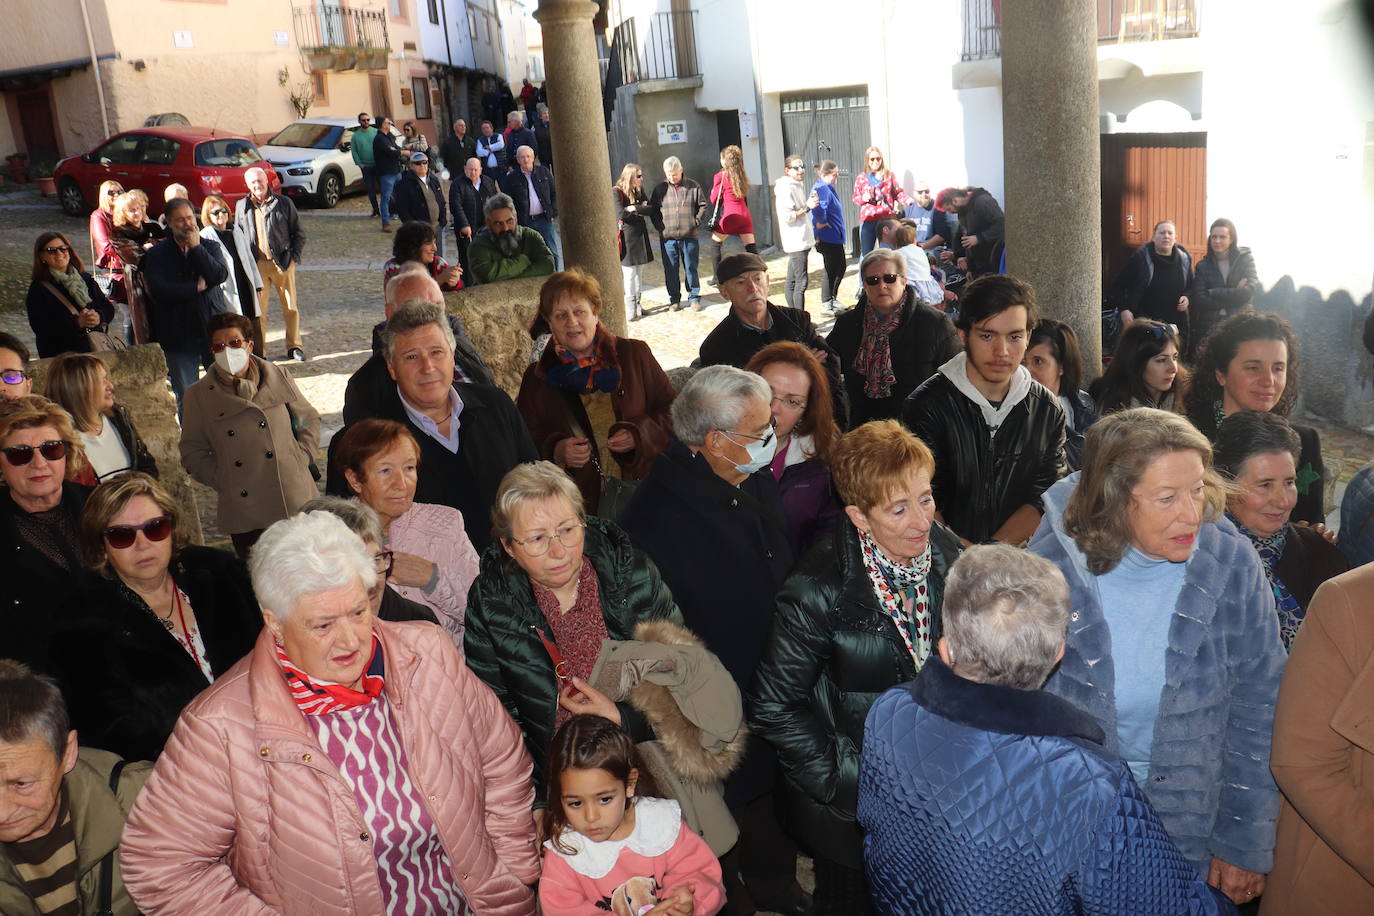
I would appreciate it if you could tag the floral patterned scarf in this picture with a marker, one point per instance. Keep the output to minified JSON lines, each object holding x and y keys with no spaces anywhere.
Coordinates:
{"x":874,"y":359}
{"x":891,"y":582}
{"x":1270,"y":550}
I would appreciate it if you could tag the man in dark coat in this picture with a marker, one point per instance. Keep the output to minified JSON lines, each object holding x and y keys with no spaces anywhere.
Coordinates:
{"x":754,"y":323}
{"x":715,"y":530}
{"x":997,"y":434}
{"x":516,"y":135}
{"x":419,"y":197}
{"x":536,"y":201}
{"x":982,"y":228}
{"x":457,"y":148}
{"x":369,"y":387}
{"x":181,"y":272}
{"x":270,"y":227}
{"x":470,"y":435}
{"x":468,"y":193}
{"x":543,"y":138}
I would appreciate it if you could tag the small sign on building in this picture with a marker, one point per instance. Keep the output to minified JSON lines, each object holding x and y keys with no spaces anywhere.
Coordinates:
{"x":181,"y":38}
{"x":279,"y":38}
{"x":748,"y":126}
{"x":672,"y":132}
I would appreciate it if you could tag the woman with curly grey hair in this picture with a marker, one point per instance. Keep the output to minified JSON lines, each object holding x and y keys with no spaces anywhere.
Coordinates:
{"x":1173,"y":644}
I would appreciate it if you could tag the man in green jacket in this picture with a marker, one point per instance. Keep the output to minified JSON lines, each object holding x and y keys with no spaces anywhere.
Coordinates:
{"x":505,"y":250}
{"x":62,"y":809}
{"x":361,"y":148}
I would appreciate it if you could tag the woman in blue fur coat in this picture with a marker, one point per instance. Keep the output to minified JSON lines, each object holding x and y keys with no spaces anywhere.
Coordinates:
{"x":1172,"y":645}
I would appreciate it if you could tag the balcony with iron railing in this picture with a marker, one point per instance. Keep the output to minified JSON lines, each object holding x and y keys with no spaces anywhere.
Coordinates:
{"x":658,"y":47}
{"x":1118,"y":22}
{"x":341,"y":36}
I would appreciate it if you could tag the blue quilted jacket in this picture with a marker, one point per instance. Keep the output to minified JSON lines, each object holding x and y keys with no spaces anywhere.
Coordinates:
{"x":977,"y":799}
{"x":1209,"y":761}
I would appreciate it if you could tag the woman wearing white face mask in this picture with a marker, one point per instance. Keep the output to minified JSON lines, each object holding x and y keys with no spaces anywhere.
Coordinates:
{"x":248,"y":432}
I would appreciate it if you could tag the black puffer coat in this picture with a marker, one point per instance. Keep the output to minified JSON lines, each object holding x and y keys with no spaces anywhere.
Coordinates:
{"x":504,"y":650}
{"x":832,"y":651}
{"x":924,"y":340}
{"x":1211,"y":300}
{"x":982,"y":476}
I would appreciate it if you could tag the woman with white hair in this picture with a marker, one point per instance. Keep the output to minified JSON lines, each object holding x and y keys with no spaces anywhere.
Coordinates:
{"x":347,"y":765}
{"x":975,"y":726}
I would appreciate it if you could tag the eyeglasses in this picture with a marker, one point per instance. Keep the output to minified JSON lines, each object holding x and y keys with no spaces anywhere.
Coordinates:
{"x":765,"y":439}
{"x":121,"y":537}
{"x":13,"y":376}
{"x":880,"y":278}
{"x":875,"y":158}
{"x":795,"y":166}
{"x":114,"y":192}
{"x":536,"y":545}
{"x":383,"y":562}
{"x":20,"y":455}
{"x":54,"y":249}
{"x":364,"y":120}
{"x":219,"y":212}
{"x":789,"y":403}
{"x":235,"y":344}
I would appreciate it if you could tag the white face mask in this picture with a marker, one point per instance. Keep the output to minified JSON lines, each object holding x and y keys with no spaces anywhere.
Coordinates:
{"x":231,"y":360}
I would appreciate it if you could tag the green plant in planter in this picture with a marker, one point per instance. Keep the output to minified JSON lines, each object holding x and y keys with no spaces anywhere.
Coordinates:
{"x":42,"y":167}
{"x":17,"y":158}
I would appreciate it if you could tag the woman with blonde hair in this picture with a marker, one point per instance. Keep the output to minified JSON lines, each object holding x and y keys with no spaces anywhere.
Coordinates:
{"x":631,"y":208}
{"x":81,"y":384}
{"x":1173,"y":643}
{"x":103,"y":253}
{"x":730,"y":205}
{"x":239,"y":291}
{"x":878,"y":197}
{"x":133,"y":235}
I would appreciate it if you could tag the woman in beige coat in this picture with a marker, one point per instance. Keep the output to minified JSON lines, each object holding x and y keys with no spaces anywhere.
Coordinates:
{"x":248,"y":432}
{"x":1323,"y":758}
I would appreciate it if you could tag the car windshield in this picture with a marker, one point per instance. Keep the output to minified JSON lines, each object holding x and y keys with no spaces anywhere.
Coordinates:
{"x":227,"y":153}
{"x":308,"y":136}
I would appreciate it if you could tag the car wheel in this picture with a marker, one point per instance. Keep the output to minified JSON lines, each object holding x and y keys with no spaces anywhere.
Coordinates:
{"x":331,"y":189}
{"x":69,"y":195}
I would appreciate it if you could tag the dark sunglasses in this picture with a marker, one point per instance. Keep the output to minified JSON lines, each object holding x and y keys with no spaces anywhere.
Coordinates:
{"x":13,"y":376}
{"x":123,"y":536}
{"x":54,"y":249}
{"x":880,"y":278}
{"x":20,"y":455}
{"x":235,"y":344}
{"x":219,"y":212}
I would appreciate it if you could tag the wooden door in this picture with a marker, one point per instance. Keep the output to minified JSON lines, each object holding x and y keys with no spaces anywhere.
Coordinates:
{"x":35,"y":114}
{"x":1147,"y":178}
{"x":829,"y":124}
{"x":381,"y":105}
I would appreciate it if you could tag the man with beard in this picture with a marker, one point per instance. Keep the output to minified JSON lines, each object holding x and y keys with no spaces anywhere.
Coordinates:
{"x":180,"y":270}
{"x":536,"y":201}
{"x":467,"y":196}
{"x":505,"y":250}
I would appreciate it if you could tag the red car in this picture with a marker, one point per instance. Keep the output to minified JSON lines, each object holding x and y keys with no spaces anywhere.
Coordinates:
{"x":150,"y":158}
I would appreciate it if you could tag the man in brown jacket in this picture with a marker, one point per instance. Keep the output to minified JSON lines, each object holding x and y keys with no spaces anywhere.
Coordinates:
{"x":1323,"y":758}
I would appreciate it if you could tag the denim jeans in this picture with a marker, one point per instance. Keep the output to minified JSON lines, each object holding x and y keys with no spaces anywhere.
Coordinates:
{"x":183,"y":371}
{"x":684,"y":252}
{"x":370,"y":182}
{"x":795,"y":291}
{"x":544,"y":226}
{"x":868,"y":237}
{"x":388,"y":183}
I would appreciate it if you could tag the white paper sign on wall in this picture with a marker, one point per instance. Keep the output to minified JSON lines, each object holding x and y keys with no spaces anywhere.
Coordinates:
{"x":672,"y":132}
{"x":279,"y":38}
{"x":748,"y":126}
{"x":181,"y":38}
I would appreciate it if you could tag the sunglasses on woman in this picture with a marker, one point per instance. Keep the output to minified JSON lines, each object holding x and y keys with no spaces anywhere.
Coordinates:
{"x":235,"y":344}
{"x":54,"y":249}
{"x":880,"y":278}
{"x":121,"y":537}
{"x":219,"y":212}
{"x":20,"y":455}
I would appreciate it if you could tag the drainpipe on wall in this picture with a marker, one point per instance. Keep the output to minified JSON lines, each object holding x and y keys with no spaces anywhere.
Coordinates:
{"x":95,"y":68}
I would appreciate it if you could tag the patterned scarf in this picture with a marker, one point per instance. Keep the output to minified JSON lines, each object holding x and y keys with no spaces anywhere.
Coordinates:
{"x":874,"y":359}
{"x":1270,"y":549}
{"x":318,"y":698}
{"x":597,"y":372}
{"x":890,"y":581}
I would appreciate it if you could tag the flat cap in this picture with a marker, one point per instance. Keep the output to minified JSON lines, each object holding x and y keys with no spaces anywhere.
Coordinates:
{"x":737,"y":264}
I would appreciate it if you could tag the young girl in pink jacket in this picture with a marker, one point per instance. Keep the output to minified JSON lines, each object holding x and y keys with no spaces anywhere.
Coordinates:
{"x":607,"y":848}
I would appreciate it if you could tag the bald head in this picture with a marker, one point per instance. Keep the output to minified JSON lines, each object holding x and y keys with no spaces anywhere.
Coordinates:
{"x":256,"y":179}
{"x":413,"y":282}
{"x":173,"y":191}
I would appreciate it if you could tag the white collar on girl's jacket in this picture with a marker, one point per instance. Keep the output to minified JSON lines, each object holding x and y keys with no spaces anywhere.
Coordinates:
{"x":657,"y":824}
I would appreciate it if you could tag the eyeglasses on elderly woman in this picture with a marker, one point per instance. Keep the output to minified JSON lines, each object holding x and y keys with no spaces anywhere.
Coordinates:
{"x":536,"y":545}
{"x":20,"y":455}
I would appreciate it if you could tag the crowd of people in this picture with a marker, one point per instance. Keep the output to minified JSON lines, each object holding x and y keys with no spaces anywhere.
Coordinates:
{"x":975,"y":626}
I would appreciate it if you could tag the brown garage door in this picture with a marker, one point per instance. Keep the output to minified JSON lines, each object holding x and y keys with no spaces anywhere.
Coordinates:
{"x":1147,"y":178}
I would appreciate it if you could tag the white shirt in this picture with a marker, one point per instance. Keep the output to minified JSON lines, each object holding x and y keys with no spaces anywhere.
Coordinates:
{"x":429,"y":427}
{"x":106,"y":451}
{"x":536,"y":206}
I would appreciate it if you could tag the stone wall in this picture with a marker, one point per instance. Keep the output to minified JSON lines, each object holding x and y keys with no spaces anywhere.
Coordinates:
{"x":498,"y":318}
{"x":140,"y":381}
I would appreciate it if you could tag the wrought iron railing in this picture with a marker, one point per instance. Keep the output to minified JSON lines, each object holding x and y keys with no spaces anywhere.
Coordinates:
{"x":658,"y":47}
{"x":331,"y":25}
{"x":1117,"y":21}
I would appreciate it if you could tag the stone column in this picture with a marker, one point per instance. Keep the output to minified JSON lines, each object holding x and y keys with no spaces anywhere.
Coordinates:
{"x":586,"y":216}
{"x":1051,"y":157}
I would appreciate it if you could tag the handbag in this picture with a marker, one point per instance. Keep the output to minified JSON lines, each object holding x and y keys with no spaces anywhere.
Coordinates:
{"x":717,"y":213}
{"x":99,"y":336}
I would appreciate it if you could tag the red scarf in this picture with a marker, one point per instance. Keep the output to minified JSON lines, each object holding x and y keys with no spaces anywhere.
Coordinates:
{"x":318,"y":698}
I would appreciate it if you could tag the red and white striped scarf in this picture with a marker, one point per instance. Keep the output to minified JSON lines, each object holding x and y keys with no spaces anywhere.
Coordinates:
{"x":318,"y":698}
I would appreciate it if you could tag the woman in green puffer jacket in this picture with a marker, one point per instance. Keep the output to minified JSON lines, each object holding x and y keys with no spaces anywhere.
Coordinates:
{"x":556,"y":583}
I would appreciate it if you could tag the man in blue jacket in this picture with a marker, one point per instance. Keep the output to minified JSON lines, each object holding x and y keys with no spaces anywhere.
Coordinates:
{"x":981,"y":793}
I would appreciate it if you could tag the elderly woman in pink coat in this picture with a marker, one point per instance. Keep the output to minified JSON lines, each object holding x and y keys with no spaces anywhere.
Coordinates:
{"x":346,"y":765}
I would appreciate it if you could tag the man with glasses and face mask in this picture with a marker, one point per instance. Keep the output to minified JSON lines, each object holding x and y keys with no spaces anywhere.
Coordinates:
{"x":182,"y":273}
{"x":250,"y":434}
{"x":505,"y":250}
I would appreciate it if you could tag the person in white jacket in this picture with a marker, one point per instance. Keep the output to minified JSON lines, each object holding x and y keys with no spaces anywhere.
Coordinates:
{"x":794,"y":226}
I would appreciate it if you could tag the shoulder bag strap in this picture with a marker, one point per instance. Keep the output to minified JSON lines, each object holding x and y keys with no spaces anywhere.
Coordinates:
{"x":61,"y":297}
{"x":105,"y":898}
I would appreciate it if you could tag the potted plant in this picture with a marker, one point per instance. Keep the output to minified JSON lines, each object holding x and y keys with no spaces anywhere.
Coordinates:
{"x":372,"y":58}
{"x":18,"y":163}
{"x":320,"y":58}
{"x":41,"y":170}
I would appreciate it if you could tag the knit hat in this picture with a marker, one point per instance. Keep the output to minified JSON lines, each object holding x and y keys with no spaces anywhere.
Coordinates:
{"x":737,"y":264}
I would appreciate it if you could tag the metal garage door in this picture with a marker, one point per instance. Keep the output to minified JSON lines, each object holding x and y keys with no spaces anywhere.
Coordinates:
{"x":830,"y":124}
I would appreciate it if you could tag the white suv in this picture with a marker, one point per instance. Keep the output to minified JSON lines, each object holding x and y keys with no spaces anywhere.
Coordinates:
{"x":313,"y":159}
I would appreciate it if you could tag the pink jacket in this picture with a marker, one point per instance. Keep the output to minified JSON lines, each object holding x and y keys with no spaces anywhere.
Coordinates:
{"x":436,"y":533}
{"x":245,"y":814}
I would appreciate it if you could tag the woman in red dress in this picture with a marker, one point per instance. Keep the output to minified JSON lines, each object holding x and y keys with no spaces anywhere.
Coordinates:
{"x":729,"y":200}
